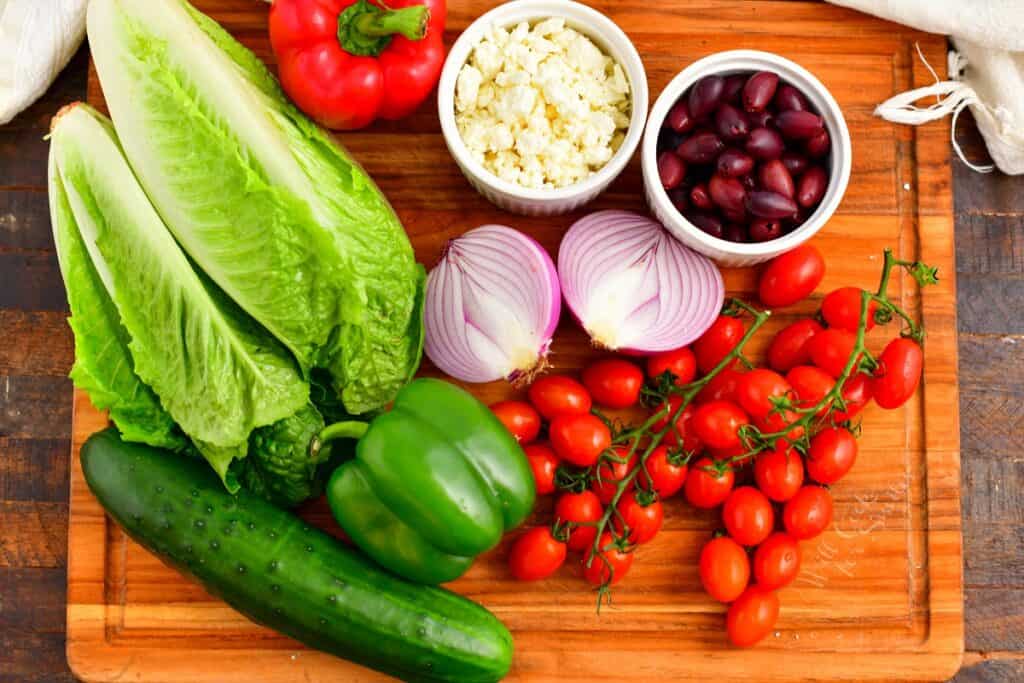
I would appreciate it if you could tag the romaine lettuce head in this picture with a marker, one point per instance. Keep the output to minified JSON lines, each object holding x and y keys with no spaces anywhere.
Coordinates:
{"x":263,"y":200}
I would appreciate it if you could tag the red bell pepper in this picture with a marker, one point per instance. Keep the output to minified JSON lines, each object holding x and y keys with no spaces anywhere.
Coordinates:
{"x":347,"y":62}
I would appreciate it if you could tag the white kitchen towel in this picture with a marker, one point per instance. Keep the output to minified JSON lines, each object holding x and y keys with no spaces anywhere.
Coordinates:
{"x":986,"y":70}
{"x":37,"y":39}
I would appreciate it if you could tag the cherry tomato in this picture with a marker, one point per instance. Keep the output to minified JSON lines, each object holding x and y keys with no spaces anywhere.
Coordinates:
{"x":708,"y":484}
{"x":831,"y":455}
{"x":808,"y":513}
{"x":536,"y":555}
{"x":789,"y":348}
{"x":841,"y":309}
{"x":682,"y":363}
{"x":579,"y":508}
{"x":791,"y":277}
{"x":776,"y":561}
{"x":730,"y":454}
{"x":722,"y":387}
{"x":724,"y":569}
{"x":666,"y":470}
{"x":856,"y":394}
{"x":642,"y":513}
{"x":579,"y":439}
{"x":555,"y":395}
{"x":752,"y":617}
{"x":610,"y":474}
{"x":520,"y":418}
{"x":810,"y":384}
{"x":898,"y":374}
{"x":683,"y":435}
{"x":748,"y":516}
{"x":779,"y":473}
{"x":613,"y":382}
{"x":831,"y":350}
{"x":717,"y":423}
{"x":755,"y":393}
{"x":612,"y":568}
{"x":716,"y":343}
{"x":544,"y":464}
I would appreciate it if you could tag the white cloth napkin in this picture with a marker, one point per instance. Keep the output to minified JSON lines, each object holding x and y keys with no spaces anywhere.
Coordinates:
{"x":37,"y":39}
{"x":986,"y":70}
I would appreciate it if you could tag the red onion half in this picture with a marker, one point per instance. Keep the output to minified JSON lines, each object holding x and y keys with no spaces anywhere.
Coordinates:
{"x":635,"y":288}
{"x":492,"y":306}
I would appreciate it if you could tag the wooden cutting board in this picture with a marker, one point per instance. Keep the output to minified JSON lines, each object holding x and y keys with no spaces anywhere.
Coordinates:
{"x":880,"y":594}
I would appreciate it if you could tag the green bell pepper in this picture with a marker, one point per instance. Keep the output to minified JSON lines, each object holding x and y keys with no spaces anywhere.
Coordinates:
{"x":435,"y":481}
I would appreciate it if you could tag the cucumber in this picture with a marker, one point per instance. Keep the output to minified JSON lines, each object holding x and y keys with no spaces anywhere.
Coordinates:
{"x":278,"y":571}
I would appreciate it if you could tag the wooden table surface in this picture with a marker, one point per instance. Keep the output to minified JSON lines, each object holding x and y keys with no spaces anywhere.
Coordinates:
{"x":35,"y":407}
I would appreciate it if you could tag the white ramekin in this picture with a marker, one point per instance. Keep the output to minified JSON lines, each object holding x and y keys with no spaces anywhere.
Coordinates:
{"x":724,"y":63}
{"x":607,"y":36}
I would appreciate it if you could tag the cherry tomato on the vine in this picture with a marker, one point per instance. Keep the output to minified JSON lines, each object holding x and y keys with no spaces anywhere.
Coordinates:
{"x":717,"y":424}
{"x":610,"y":473}
{"x":681,"y":362}
{"x":642,"y":514}
{"x":752,"y":616}
{"x":579,"y":439}
{"x":808,"y":513}
{"x":898,"y":373}
{"x":831,"y":350}
{"x":554,"y":395}
{"x":520,"y":418}
{"x":667,"y":472}
{"x":613,"y":382}
{"x":748,"y":516}
{"x":757,"y":392}
{"x":791,"y":277}
{"x":536,"y":555}
{"x":789,"y":348}
{"x":776,"y":561}
{"x":856,"y":395}
{"x":724,"y":569}
{"x":683,"y":434}
{"x":831,"y":455}
{"x":779,"y":473}
{"x":841,"y":309}
{"x":717,"y":342}
{"x":579,"y":508}
{"x":810,"y":384}
{"x":544,"y":464}
{"x":721,"y":387}
{"x":612,"y":568}
{"x":708,"y":484}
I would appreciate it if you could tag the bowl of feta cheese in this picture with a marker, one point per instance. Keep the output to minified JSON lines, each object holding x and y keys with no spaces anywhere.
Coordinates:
{"x":542,"y":104}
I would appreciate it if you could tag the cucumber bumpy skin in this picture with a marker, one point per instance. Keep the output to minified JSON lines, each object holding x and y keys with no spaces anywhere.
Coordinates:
{"x":278,"y":571}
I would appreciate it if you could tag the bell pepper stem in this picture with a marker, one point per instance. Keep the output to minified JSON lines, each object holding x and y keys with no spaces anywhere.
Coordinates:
{"x":366,"y":29}
{"x":338,"y":430}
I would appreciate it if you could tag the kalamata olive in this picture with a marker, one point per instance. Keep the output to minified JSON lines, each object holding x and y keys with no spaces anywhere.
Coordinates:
{"x":759,"y":119}
{"x":679,"y":118}
{"x":730,"y":122}
{"x":764,"y":144}
{"x":708,"y":222}
{"x":767,"y":204}
{"x":700,"y":197}
{"x":727,"y":193}
{"x":671,"y":170}
{"x":813,"y":184}
{"x":759,"y":90}
{"x":774,"y":177}
{"x":734,"y":232}
{"x":749,"y":182}
{"x":764,"y":229}
{"x":819,"y":145}
{"x":669,"y":139}
{"x":788,"y":98}
{"x":680,"y":198}
{"x":705,"y":96}
{"x":799,"y":125}
{"x":700,"y":148}
{"x":795,"y":163}
{"x":734,"y":163}
{"x":738,"y":215}
{"x":732,"y":92}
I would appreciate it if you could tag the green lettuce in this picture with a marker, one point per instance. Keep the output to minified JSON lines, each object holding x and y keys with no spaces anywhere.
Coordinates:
{"x":264,"y":201}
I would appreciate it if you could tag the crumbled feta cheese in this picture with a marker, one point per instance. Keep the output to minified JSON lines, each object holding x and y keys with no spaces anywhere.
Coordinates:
{"x":541,"y":107}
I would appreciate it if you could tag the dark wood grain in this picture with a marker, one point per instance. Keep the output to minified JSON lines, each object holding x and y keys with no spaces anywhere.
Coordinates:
{"x":36,"y":352}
